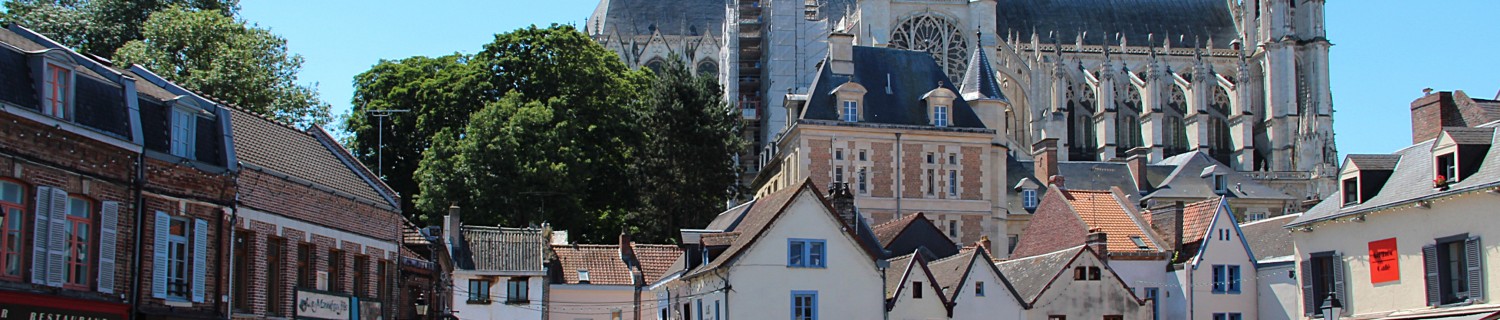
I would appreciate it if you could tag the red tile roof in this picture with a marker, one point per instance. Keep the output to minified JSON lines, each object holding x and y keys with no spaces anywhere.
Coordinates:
{"x":1196,"y":218}
{"x":655,"y":259}
{"x":1103,"y":211}
{"x":602,"y":262}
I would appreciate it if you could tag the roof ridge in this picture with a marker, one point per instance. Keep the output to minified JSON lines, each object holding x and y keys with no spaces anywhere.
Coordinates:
{"x":1062,"y":251}
{"x":909,"y":217}
{"x":1261,"y":221}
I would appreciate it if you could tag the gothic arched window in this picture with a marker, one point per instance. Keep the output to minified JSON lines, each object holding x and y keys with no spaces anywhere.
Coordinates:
{"x":1083,"y":139}
{"x":1175,"y":130}
{"x":708,"y":69}
{"x":1127,"y":123}
{"x":939,"y":36}
{"x":1219,"y":145}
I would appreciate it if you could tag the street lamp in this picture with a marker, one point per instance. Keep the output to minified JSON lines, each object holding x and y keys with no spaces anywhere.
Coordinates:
{"x":421,"y":307}
{"x":1331,"y":307}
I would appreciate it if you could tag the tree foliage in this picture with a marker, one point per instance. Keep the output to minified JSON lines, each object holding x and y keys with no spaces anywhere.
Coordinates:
{"x":545,"y":125}
{"x":214,"y":54}
{"x":99,"y":27}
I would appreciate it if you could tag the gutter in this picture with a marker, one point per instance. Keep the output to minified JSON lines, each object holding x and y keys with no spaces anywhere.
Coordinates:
{"x":140,"y":221}
{"x":898,"y":174}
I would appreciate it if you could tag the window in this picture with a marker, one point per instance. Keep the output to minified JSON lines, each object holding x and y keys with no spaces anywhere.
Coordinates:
{"x":930,"y":183}
{"x":863,"y":178}
{"x":1057,"y":317}
{"x":716,"y":310}
{"x":1227,"y":316}
{"x":1028,"y":199}
{"x":177,"y":260}
{"x":479,"y":291}
{"x":930,"y":158}
{"x":1154,"y":294}
{"x":952,"y":182}
{"x":11,"y":224}
{"x":940,"y":116}
{"x":1094,"y":273}
{"x":361,"y":276}
{"x":1322,"y":273}
{"x":1013,"y":240}
{"x":1080,"y":273}
{"x":1351,"y":191}
{"x":335,"y":271}
{"x":242,"y":272}
{"x":851,"y":111}
{"x":59,"y":91}
{"x":305,"y":260}
{"x":1226,"y":279}
{"x":1114,"y":317}
{"x":1447,"y":168}
{"x":184,"y":129}
{"x":1453,"y":270}
{"x":517,"y":290}
{"x":700,"y":308}
{"x":804,"y":305}
{"x":274,"y":247}
{"x":916,"y":289}
{"x":838,"y":174}
{"x":1139,"y":243}
{"x":1221,"y":184}
{"x":806,"y":253}
{"x":979,"y":288}
{"x":687,"y":311}
{"x":838,"y":154}
{"x":953,"y":228}
{"x":953,"y":158}
{"x":382,"y":276}
{"x":862,"y":155}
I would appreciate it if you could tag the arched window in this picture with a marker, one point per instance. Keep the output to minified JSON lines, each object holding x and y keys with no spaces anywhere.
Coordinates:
{"x":939,"y":36}
{"x":1219,"y":142}
{"x":708,"y":69}
{"x":656,"y":64}
{"x":1082,"y":139}
{"x":1127,"y":123}
{"x":1175,"y":130}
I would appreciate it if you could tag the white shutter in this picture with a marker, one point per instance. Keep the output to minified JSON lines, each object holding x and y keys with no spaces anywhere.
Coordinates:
{"x":159,"y":273}
{"x":58,"y":246}
{"x":200,"y":258}
{"x":109,"y":220}
{"x":39,"y":237}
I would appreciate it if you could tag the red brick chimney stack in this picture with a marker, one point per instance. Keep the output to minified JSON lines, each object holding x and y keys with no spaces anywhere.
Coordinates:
{"x":1045,"y":153}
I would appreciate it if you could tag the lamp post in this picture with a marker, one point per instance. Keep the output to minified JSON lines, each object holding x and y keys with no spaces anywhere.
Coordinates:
{"x":1331,"y":307}
{"x":421,"y":308}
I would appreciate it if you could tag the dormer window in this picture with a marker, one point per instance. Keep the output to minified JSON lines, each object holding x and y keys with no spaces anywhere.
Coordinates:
{"x":184,"y":132}
{"x":940,"y":116}
{"x":58,"y":91}
{"x":1221,"y":184}
{"x":1447,"y":168}
{"x":849,"y":111}
{"x":1351,"y":191}
{"x":1028,"y":199}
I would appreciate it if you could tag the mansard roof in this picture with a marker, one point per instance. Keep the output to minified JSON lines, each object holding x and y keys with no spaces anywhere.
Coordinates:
{"x":670,"y":17}
{"x":896,"y":79}
{"x":979,"y":80}
{"x":1183,"y":21}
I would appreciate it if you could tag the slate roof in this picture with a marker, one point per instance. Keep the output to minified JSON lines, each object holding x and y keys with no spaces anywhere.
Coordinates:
{"x":1088,"y":175}
{"x":1469,"y":136}
{"x":495,"y":249}
{"x":888,"y":231}
{"x":1374,"y":161}
{"x":910,"y":74}
{"x":1187,"y":180}
{"x":1410,"y":182}
{"x":1181,"y":20}
{"x":979,"y":80}
{"x":1103,"y":211}
{"x":1030,"y":276}
{"x":603,"y":263}
{"x":913,"y":231}
{"x":1268,"y":238}
{"x":729,"y":219}
{"x":302,"y":154}
{"x":893,"y":281}
{"x":671,"y":17}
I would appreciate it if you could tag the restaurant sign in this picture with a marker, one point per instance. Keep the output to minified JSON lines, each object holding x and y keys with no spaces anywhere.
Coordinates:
{"x":36,"y":307}
{"x":322,"y":305}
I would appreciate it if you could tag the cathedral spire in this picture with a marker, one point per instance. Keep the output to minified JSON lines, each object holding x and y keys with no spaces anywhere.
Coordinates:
{"x":979,"y":80}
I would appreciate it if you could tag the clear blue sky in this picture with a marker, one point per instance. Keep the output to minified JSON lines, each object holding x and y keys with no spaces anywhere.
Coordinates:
{"x":1384,"y":53}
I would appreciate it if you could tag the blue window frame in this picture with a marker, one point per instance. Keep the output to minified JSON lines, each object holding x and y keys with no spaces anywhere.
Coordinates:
{"x":1226,"y":279}
{"x":1234,"y":280}
{"x":1154,"y":294}
{"x":1219,"y":274}
{"x":806,"y":253}
{"x":804,"y":305}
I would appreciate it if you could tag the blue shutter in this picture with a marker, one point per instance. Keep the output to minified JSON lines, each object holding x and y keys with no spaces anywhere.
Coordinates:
{"x":200,"y":258}
{"x":159,"y":258}
{"x":57,"y":252}
{"x":109,"y":220}
{"x":39,"y":236}
{"x":1234,"y":279}
{"x":1472,"y":255}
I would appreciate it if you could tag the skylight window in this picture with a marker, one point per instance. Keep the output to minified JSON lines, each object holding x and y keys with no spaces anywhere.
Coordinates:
{"x":1139,"y":243}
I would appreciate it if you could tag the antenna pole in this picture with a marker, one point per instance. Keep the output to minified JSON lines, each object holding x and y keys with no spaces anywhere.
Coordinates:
{"x":380,"y":115}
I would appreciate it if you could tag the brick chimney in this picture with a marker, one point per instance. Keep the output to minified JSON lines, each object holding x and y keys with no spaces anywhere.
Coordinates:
{"x":1045,"y":153}
{"x":841,"y":53}
{"x":1167,"y":222}
{"x":843,"y":203}
{"x":627,"y":252}
{"x":1137,"y":161}
{"x":1099,"y":242}
{"x":451,"y":223}
{"x":1432,"y":112}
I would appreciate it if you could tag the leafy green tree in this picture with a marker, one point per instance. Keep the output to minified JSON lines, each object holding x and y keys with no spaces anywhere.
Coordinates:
{"x":438,"y":93}
{"x":216,"y":55}
{"x":687,"y":169}
{"x":99,"y":27}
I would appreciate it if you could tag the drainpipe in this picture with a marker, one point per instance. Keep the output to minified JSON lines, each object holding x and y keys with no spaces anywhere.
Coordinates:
{"x":234,"y":215}
{"x":140,"y":222}
{"x":898,"y":177}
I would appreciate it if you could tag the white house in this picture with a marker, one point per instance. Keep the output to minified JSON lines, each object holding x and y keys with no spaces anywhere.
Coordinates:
{"x":498,"y":273}
{"x":1214,"y":272}
{"x":1275,"y":273}
{"x":605,"y":281}
{"x":786,"y":254}
{"x":1058,"y":285}
{"x":975,"y":288}
{"x":911,"y":292}
{"x":1410,"y":235}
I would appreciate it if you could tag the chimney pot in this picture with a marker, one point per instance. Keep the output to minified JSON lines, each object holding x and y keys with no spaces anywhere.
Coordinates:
{"x":1099,"y":242}
{"x":841,"y":53}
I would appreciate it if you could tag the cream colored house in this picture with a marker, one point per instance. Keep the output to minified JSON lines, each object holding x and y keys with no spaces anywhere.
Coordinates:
{"x":911,"y":291}
{"x":785,"y":255}
{"x":1057,"y":285}
{"x":1411,"y":235}
{"x":1214,"y":271}
{"x":975,"y":288}
{"x":1275,"y":268}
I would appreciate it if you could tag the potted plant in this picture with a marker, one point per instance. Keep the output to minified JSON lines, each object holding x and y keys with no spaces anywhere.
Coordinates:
{"x":1440,"y":183}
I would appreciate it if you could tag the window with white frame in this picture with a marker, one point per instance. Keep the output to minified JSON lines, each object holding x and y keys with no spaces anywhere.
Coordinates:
{"x":1028,"y":199}
{"x":940,"y":116}
{"x":838,"y":174}
{"x":863,"y":181}
{"x":57,"y":99}
{"x":178,"y":287}
{"x":1221,"y":185}
{"x":806,"y":253}
{"x":184,"y":131}
{"x":850,"y":111}
{"x":804,"y":305}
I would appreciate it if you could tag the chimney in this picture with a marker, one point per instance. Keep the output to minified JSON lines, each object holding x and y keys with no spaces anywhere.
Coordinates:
{"x":841,"y":53}
{"x":1432,"y":112}
{"x":1167,"y":222}
{"x":1099,"y":242}
{"x":451,"y":223}
{"x":627,"y":251}
{"x":1136,"y":160}
{"x":984,"y":243}
{"x":1045,"y":153}
{"x":843,"y":203}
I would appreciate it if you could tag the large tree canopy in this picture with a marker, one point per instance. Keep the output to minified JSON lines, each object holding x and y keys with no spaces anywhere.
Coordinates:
{"x":545,"y":125}
{"x":99,"y":27}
